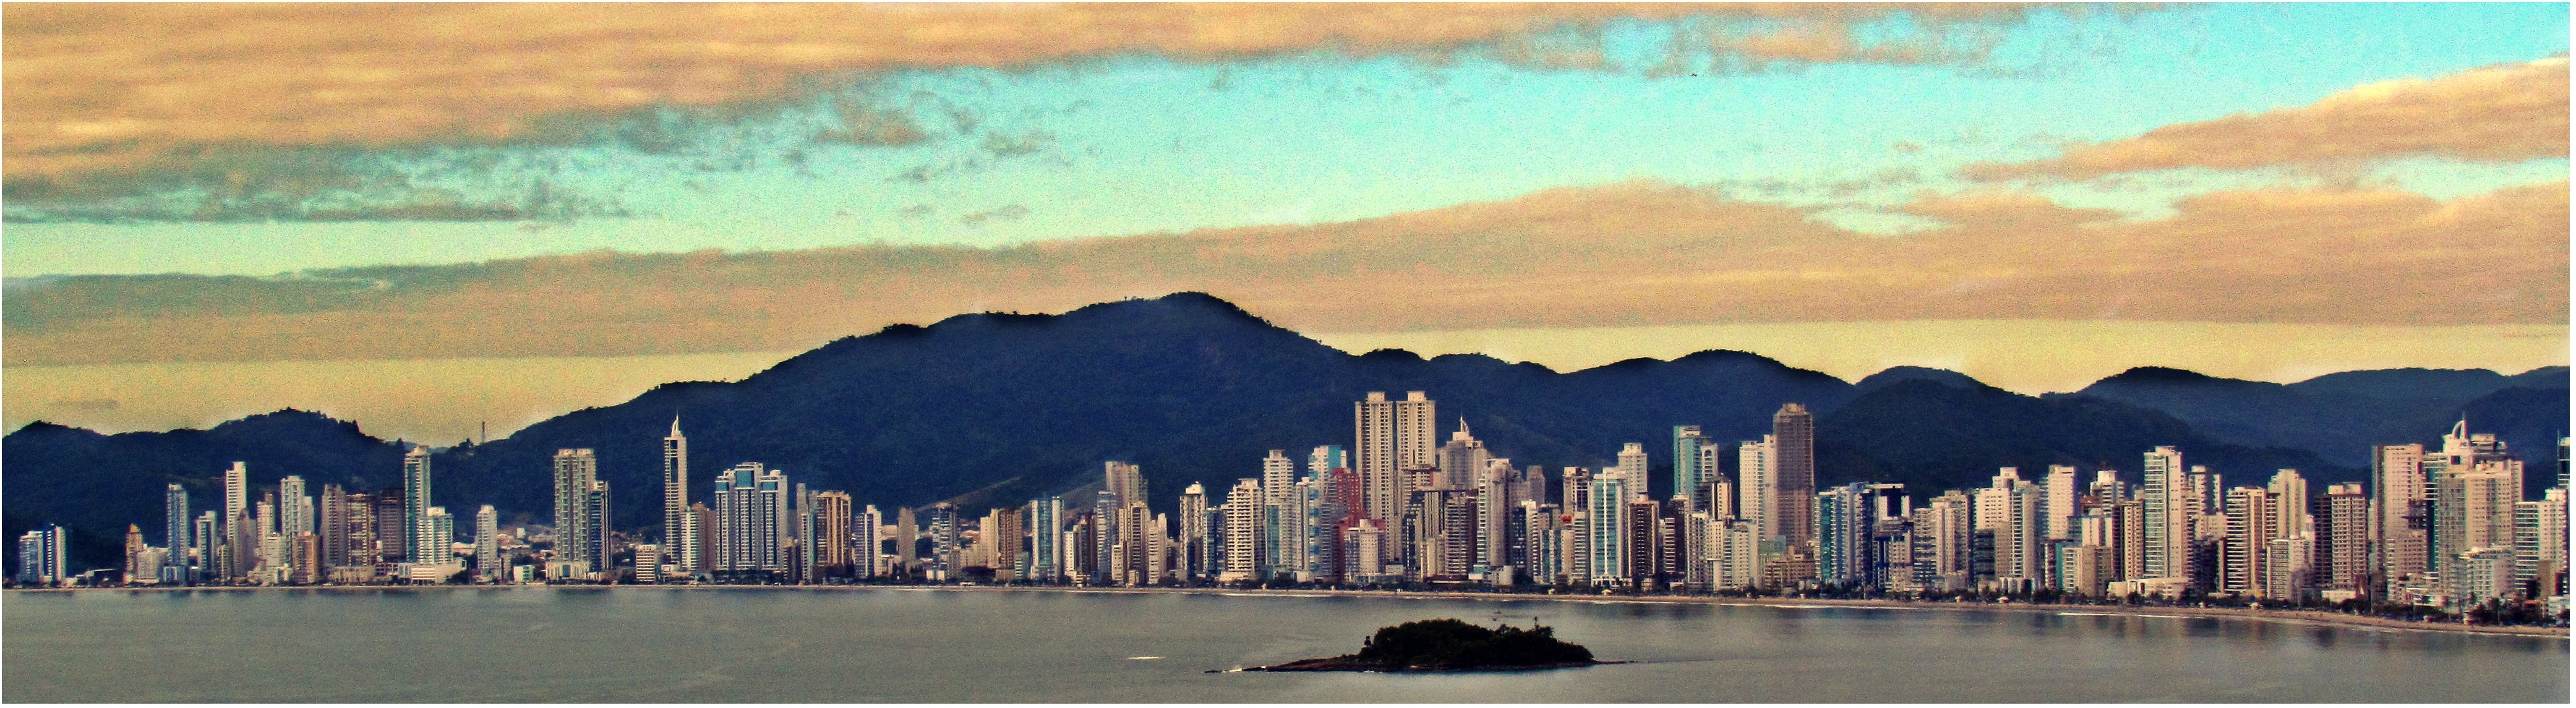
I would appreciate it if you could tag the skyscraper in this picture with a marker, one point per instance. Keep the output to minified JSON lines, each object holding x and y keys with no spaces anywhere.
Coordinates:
{"x":2345,"y":537}
{"x":1689,"y":474}
{"x":2060,"y":490}
{"x":1277,"y":473}
{"x":679,"y":526}
{"x":394,"y":534}
{"x":334,"y":527}
{"x":1794,"y":433}
{"x":834,"y":540}
{"x":1756,"y":463}
{"x":40,"y":556}
{"x":1389,"y":437}
{"x":576,"y":474}
{"x":2540,"y":543}
{"x":751,"y":513}
{"x":1196,"y":554}
{"x":174,"y":507}
{"x":294,"y":507}
{"x":1046,"y":536}
{"x":487,"y":544}
{"x":415,"y":499}
{"x":2405,"y":516}
{"x":2168,"y":515}
{"x":235,"y":559}
{"x":1243,"y":521}
{"x":870,"y":542}
{"x":438,"y":534}
{"x":1126,"y":481}
{"x":1462,"y":460}
{"x":1606,"y":518}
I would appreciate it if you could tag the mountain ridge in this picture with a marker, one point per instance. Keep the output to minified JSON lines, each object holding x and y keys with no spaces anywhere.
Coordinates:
{"x":1006,"y":406}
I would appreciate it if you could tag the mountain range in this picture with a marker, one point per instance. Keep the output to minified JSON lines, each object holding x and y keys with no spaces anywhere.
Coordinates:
{"x":995,"y":408}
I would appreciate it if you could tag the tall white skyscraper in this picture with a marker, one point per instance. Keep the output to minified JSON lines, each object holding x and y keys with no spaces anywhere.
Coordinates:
{"x":294,"y":507}
{"x":239,"y":538}
{"x":679,"y":525}
{"x":437,"y":536}
{"x":1278,"y":473}
{"x":1389,"y":437}
{"x":1632,"y":462}
{"x":416,"y":505}
{"x":2168,"y":514}
{"x":2060,"y":490}
{"x":1755,"y":462}
{"x":1243,"y":526}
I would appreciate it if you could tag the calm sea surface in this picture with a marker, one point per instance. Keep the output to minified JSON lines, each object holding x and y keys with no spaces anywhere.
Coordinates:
{"x":918,"y":645}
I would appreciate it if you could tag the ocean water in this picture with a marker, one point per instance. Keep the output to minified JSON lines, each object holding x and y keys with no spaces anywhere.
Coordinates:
{"x":637,"y":644}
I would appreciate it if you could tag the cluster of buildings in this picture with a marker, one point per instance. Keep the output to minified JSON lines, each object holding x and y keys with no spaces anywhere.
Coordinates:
{"x":2445,"y":527}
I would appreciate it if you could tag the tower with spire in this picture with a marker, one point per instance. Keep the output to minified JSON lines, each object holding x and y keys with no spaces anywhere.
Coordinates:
{"x":679,"y":526}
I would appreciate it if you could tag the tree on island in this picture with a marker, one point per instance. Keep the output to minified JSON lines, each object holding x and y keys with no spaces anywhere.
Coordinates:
{"x":1454,"y":645}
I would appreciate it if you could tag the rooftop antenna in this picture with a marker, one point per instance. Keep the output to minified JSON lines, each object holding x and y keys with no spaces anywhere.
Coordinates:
{"x":486,"y":435}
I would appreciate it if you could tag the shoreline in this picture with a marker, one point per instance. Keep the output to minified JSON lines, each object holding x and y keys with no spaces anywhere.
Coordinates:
{"x":2294,"y":617}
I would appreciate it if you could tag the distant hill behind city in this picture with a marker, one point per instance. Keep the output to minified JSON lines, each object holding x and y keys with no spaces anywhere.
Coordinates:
{"x":993,"y":409}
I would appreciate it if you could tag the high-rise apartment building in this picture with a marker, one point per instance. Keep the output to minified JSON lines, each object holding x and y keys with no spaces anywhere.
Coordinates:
{"x":1462,"y":460}
{"x":2404,"y":520}
{"x":41,"y":556}
{"x":1046,"y":538}
{"x":240,"y":539}
{"x":1689,"y":476}
{"x":1757,"y":465}
{"x":680,"y":532}
{"x":1126,"y":481}
{"x":174,"y":508}
{"x":1607,"y":550}
{"x":394,"y":526}
{"x":2540,"y":544}
{"x":1793,"y":432}
{"x":2344,"y":537}
{"x":2059,"y":491}
{"x":835,"y":543}
{"x":437,"y":537}
{"x":1390,"y":437}
{"x":415,"y":500}
{"x":294,"y":507}
{"x":1243,"y":522}
{"x":1197,"y":555}
{"x":487,"y":544}
{"x":751,"y":515}
{"x":2168,"y":515}
{"x":577,"y":532}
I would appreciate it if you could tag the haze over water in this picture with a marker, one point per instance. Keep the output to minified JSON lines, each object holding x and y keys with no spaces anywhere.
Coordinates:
{"x":534,"y":644}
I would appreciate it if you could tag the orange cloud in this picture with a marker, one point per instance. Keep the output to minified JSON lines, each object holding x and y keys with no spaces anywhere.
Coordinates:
{"x":1637,"y":253}
{"x":95,"y":87}
{"x":2499,"y":113}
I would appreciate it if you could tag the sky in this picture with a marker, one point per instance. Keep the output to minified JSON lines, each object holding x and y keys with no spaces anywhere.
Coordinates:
{"x":608,"y":182}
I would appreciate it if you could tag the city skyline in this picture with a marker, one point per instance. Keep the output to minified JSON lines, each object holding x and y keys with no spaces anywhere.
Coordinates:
{"x":2446,"y":528}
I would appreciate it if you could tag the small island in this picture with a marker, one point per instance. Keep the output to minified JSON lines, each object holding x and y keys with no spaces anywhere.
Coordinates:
{"x":1453,"y":645}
